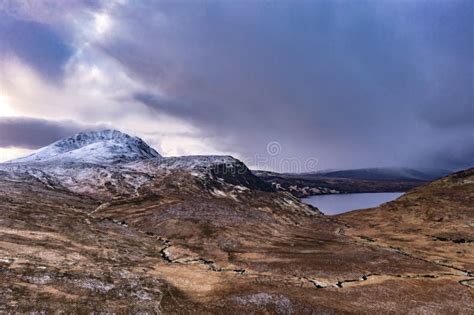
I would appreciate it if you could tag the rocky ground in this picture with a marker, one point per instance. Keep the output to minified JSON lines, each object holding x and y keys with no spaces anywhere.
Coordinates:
{"x":184,"y":243}
{"x":434,"y":222}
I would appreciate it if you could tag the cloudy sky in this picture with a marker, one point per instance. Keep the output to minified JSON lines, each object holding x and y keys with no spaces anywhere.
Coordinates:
{"x":345,"y":83}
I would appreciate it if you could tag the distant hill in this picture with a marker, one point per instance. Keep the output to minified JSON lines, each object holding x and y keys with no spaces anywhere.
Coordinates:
{"x":350,"y":181}
{"x":388,"y":174}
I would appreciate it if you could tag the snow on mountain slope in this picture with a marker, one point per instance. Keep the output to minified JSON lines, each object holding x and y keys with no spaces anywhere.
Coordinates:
{"x":111,"y":163}
{"x":189,"y":163}
{"x":106,"y":146}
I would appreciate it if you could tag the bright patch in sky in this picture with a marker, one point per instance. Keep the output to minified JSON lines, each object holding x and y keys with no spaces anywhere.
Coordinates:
{"x":6,"y":109}
{"x":7,"y":154}
{"x":102,"y":23}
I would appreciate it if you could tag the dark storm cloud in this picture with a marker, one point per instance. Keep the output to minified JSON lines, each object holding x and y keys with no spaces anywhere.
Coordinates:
{"x":351,"y":83}
{"x":30,"y":133}
{"x":36,"y":44}
{"x":458,"y":153}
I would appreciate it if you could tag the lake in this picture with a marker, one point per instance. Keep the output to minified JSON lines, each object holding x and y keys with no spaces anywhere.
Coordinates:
{"x":340,"y":203}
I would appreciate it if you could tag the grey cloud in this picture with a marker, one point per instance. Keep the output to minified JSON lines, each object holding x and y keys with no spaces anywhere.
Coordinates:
{"x":31,"y":133}
{"x":346,"y":83}
{"x":458,"y":153}
{"x":353,"y":84}
{"x":37,"y":44}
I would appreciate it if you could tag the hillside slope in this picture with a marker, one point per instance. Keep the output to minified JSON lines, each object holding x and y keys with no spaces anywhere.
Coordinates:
{"x":193,"y":235}
{"x":434,"y":222}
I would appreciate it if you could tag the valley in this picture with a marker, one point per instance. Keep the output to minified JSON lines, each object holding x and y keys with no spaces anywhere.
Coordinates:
{"x":129,"y":231}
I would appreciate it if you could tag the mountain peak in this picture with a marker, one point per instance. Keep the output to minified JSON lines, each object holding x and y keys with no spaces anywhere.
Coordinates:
{"x":104,"y":146}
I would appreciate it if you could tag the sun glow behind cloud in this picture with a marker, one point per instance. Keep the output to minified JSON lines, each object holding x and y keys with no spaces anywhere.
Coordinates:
{"x":6,"y":110}
{"x":102,"y":23}
{"x":93,"y":93}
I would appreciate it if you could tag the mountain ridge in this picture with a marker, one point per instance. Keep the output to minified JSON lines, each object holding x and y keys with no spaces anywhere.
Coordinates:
{"x":110,"y":163}
{"x":388,"y":173}
{"x":366,"y":180}
{"x":371,"y":173}
{"x":105,"y":146}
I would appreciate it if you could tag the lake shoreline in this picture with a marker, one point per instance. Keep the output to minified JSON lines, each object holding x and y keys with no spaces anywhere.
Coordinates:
{"x":334,"y":204}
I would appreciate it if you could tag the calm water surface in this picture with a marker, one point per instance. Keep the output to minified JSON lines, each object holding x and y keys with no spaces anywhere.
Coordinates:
{"x":340,"y":203}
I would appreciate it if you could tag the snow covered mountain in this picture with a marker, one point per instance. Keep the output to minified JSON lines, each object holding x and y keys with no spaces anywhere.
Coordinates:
{"x":101,"y":147}
{"x":110,"y":163}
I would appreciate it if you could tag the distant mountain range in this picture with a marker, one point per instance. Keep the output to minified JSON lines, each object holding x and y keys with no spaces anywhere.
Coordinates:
{"x":388,"y":173}
{"x":351,"y":181}
{"x":72,"y":162}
